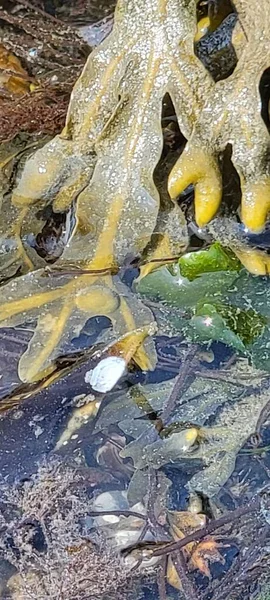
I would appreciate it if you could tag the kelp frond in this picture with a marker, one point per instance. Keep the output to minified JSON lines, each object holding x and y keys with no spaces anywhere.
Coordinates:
{"x":103,"y":162}
{"x":232,"y":115}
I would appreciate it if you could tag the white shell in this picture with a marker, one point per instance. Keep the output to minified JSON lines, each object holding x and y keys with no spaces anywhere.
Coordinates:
{"x":106,"y":374}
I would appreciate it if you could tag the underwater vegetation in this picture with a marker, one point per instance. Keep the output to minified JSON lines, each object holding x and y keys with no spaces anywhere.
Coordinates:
{"x":134,"y":310}
{"x":40,"y":526}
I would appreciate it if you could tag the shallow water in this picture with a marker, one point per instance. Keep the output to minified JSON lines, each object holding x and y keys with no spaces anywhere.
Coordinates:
{"x":30,"y":433}
{"x":183,"y":450}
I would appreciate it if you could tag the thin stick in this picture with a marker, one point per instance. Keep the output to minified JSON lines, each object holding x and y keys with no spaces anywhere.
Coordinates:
{"x":181,"y":569}
{"x":56,"y":272}
{"x":43,"y":13}
{"x":140,"y":539}
{"x":177,"y":388}
{"x":216,"y":376}
{"x":161,"y":579}
{"x":263,"y":417}
{"x":153,"y":523}
{"x":116,"y":513}
{"x":209,"y":528}
{"x":239,"y":573}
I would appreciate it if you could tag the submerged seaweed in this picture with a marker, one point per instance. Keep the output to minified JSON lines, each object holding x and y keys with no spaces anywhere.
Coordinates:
{"x":45,"y":543}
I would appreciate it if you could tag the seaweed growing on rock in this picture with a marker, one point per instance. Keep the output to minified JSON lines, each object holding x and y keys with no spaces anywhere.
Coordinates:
{"x":48,"y":551}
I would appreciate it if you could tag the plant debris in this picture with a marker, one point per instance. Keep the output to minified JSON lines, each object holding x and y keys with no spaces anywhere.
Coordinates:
{"x":51,"y":69}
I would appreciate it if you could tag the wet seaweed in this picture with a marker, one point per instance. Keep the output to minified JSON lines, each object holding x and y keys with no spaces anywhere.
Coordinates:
{"x":167,"y":477}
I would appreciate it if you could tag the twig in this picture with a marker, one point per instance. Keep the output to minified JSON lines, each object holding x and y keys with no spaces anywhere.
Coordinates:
{"x":38,"y":10}
{"x":150,"y":507}
{"x":254,"y":451}
{"x":169,"y":405}
{"x":153,"y":523}
{"x":56,"y":272}
{"x":219,"y":376}
{"x":238,"y":574}
{"x":116,"y":513}
{"x":140,"y":539}
{"x":209,"y":528}
{"x":179,"y":385}
{"x":230,"y":362}
{"x":179,"y":562}
{"x":263,"y":416}
{"x":161,"y":579}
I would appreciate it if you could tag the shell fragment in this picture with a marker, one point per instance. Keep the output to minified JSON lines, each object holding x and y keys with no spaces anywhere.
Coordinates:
{"x":106,"y":374}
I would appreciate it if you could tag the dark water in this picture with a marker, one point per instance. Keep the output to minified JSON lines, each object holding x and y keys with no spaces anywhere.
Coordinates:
{"x":30,"y":432}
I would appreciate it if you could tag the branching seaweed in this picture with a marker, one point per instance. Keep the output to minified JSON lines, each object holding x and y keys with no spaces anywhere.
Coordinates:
{"x":232,"y":115}
{"x":104,"y":159}
{"x":43,"y":539}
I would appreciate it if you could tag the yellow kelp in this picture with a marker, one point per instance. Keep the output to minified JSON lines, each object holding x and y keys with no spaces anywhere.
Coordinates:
{"x":104,"y":160}
{"x":232,"y":115}
{"x":113,"y":133}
